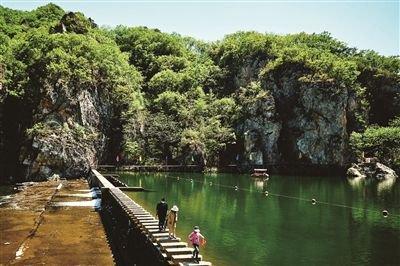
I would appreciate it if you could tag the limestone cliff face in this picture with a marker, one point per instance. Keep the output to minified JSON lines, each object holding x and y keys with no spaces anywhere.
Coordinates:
{"x":70,"y":133}
{"x":261,"y":130}
{"x":314,"y":121}
{"x":300,"y":122}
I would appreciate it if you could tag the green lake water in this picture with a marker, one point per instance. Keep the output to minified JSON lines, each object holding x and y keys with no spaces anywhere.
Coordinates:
{"x":246,"y":227}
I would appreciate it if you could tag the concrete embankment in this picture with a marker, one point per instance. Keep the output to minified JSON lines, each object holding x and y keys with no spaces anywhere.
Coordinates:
{"x":45,"y":225}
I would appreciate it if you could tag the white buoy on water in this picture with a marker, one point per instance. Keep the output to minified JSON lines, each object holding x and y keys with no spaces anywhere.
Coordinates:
{"x":385,"y":213}
{"x":313,"y":201}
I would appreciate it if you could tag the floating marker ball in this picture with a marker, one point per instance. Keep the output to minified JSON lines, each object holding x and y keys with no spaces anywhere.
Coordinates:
{"x":313,"y":201}
{"x":266,"y":193}
{"x":385,"y":213}
{"x":236,"y":188}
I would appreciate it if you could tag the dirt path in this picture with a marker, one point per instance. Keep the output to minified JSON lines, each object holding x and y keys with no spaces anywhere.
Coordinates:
{"x":32,"y":231}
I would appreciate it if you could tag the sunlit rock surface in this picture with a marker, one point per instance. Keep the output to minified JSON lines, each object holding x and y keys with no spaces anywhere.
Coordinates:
{"x":371,"y":169}
{"x":72,"y":136}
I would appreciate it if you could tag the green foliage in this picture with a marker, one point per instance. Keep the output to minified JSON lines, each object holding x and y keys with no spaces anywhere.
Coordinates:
{"x":251,"y":100}
{"x":161,"y":135}
{"x":74,"y":22}
{"x":13,"y":22}
{"x":387,"y":66}
{"x":182,"y":98}
{"x":132,"y":151}
{"x":170,"y":102}
{"x":319,"y":65}
{"x":380,"y":76}
{"x":145,"y":46}
{"x":164,"y":81}
{"x":395,"y":122}
{"x":205,"y":141}
{"x":238,"y":51}
{"x":53,"y":128}
{"x":188,"y":125}
{"x":70,"y":62}
{"x":381,"y":142}
{"x":237,"y":48}
{"x":323,"y":41}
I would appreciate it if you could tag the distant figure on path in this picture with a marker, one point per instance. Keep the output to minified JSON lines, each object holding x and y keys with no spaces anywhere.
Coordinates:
{"x":197,"y":239}
{"x":172,"y":218}
{"x":162,"y":208}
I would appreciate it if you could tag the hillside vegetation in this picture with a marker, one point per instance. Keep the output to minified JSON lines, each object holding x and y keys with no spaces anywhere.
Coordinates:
{"x":75,"y":95}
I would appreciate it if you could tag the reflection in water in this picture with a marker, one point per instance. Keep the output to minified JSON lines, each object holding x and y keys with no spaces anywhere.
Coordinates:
{"x":360,"y":183}
{"x":356,"y":182}
{"x":245,"y":227}
{"x":386,"y":185}
{"x":261,"y":183}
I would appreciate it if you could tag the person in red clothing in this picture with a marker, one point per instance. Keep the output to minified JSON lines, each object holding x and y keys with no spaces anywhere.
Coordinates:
{"x":196,"y":239}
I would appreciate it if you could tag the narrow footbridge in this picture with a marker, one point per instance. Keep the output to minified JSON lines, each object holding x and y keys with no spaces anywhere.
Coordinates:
{"x":134,"y":231}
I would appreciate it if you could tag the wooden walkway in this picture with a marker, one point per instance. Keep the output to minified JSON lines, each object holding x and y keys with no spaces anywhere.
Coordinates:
{"x":174,"y":251}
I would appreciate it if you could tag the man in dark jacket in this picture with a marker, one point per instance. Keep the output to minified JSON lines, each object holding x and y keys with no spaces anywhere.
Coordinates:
{"x":162,"y":208}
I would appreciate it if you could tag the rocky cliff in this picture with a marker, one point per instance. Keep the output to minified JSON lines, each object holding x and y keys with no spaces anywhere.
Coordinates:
{"x":64,"y":93}
{"x":299,"y":122}
{"x":313,"y":116}
{"x":69,"y":135}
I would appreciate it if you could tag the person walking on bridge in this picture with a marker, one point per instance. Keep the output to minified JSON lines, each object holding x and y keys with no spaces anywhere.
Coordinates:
{"x":162,"y":208}
{"x":196,"y":239}
{"x":172,"y":218}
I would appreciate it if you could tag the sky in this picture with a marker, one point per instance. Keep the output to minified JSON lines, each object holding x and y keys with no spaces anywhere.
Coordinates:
{"x":364,"y":24}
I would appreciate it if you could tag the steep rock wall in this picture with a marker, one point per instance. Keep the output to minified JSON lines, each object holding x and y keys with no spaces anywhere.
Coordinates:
{"x":301,"y":122}
{"x":314,"y":119}
{"x":261,"y":130}
{"x":70,"y":133}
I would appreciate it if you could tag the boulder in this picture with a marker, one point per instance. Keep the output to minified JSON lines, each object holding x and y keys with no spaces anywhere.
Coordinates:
{"x":355,"y":172}
{"x":371,"y":169}
{"x":382,"y":172}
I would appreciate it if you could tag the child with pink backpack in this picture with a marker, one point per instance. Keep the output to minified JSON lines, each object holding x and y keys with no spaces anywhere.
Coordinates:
{"x":196,"y":239}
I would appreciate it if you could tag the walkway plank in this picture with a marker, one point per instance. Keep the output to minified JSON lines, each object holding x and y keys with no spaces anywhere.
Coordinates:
{"x":173,"y":245}
{"x":178,"y":251}
{"x":183,"y":258}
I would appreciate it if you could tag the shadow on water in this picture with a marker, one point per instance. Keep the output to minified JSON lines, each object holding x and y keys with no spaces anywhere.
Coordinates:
{"x":243,"y":226}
